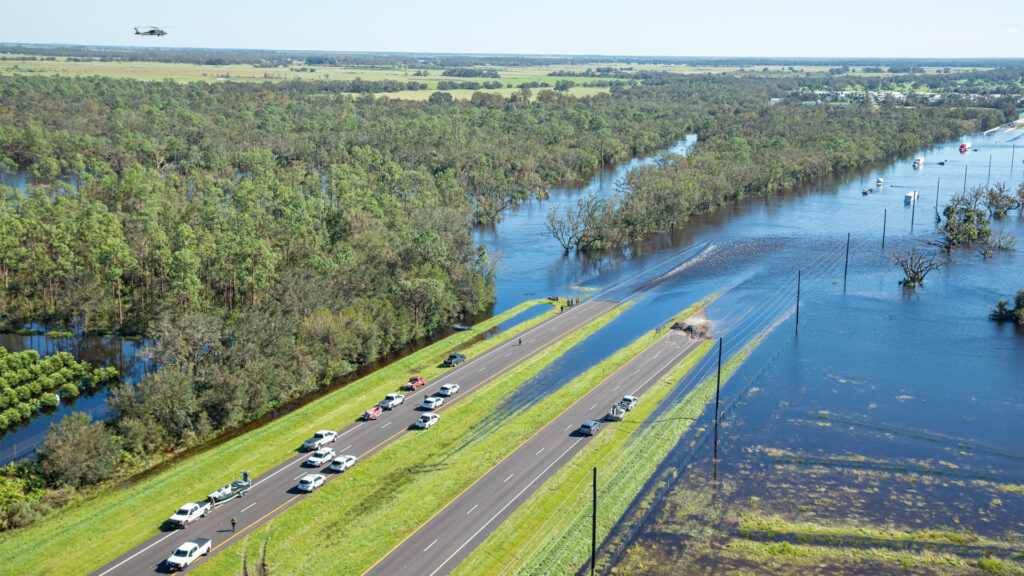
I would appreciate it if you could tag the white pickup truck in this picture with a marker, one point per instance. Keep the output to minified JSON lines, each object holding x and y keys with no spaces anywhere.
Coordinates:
{"x":189,"y":513}
{"x":188,"y":553}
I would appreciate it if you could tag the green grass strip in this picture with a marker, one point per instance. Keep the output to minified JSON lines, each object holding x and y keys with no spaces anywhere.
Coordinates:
{"x":550,"y":533}
{"x":114,"y":518}
{"x":357,"y":519}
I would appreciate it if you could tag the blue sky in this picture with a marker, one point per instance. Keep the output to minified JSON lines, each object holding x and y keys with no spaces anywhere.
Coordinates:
{"x":861,"y":28}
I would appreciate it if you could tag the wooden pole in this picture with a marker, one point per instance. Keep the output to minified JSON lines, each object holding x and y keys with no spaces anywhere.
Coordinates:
{"x":937,"y":196}
{"x":965,"y":178}
{"x":885,"y":217}
{"x":1013,"y":156}
{"x":798,"y":300}
{"x":913,"y":210}
{"x":846,"y":267}
{"x":989,"y":178}
{"x":593,"y":529}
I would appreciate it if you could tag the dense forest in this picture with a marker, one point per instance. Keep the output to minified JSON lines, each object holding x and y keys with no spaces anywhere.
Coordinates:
{"x":757,"y":151}
{"x":273,"y":236}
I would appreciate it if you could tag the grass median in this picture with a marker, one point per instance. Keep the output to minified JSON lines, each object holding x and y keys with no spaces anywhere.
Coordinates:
{"x":95,"y":530}
{"x":550,"y":533}
{"x":356,"y":519}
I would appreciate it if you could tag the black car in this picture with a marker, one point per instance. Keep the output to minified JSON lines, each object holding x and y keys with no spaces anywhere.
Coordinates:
{"x":455,"y":359}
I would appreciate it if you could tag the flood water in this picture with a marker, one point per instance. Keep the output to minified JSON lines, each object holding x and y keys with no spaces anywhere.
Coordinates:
{"x":889,"y":407}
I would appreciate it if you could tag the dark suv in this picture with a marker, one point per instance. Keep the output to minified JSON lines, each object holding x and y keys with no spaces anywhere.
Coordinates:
{"x":454,"y":359}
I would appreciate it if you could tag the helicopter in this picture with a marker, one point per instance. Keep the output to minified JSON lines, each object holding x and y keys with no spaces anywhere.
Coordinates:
{"x":152,"y":31}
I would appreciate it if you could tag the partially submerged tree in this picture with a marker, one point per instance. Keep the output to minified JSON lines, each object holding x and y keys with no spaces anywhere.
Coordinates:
{"x":1003,"y":312}
{"x":916,"y":266}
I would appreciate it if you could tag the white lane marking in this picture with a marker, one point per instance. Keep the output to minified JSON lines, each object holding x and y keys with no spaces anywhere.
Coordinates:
{"x":499,"y":512}
{"x":539,"y":451}
{"x":482,"y":369}
{"x":431,"y":544}
{"x":567,"y":428}
{"x":346,"y":447}
{"x":351,"y":428}
{"x":616,"y":387}
{"x":471,"y":509}
{"x":282,"y":469}
{"x":116,"y":566}
{"x":509,"y":477}
{"x":655,"y":375}
{"x":386,"y":424}
{"x":247,"y":507}
{"x":300,"y":476}
{"x":507,"y":355}
{"x":637,"y":371}
{"x":594,"y":406}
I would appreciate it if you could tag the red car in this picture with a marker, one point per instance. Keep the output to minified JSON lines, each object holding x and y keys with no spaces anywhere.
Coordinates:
{"x":414,"y":383}
{"x":372,"y":413}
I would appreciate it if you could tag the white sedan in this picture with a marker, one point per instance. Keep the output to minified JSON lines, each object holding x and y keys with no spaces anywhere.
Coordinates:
{"x":448,"y":390}
{"x":320,"y":457}
{"x":432,"y":402}
{"x":427,"y":420}
{"x":342,"y":463}
{"x":311,"y":482}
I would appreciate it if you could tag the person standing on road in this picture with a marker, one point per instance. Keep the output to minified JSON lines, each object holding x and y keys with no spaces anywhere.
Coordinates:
{"x":520,"y":341}
{"x":234,"y":522}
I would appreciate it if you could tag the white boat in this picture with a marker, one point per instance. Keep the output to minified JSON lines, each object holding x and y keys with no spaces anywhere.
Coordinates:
{"x":910,"y":197}
{"x":919,"y":162}
{"x":879,"y":182}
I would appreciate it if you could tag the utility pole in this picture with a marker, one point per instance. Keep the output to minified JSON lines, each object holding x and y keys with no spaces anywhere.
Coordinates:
{"x":913,"y":210}
{"x":885,"y":217}
{"x":593,"y":529}
{"x":798,"y":300}
{"x":1013,"y":156}
{"x":937,"y":196}
{"x":718,"y":386}
{"x":989,"y":178}
{"x":846,"y":267}
{"x":965,"y":178}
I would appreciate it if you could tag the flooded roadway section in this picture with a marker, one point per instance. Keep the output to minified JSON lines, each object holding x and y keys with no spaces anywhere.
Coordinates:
{"x":891,"y":413}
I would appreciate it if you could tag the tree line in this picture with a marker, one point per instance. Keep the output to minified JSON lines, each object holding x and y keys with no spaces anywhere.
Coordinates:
{"x":757,"y":150}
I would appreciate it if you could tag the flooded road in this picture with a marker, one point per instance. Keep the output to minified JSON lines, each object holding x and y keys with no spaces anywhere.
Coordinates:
{"x":890,"y":408}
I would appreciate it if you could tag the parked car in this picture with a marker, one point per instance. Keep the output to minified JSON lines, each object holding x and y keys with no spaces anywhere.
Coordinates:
{"x":189,"y":513}
{"x":391,"y":400}
{"x":320,"y":439}
{"x":628,"y":402}
{"x":373,"y":413}
{"x":414,"y":383}
{"x":311,"y":482}
{"x":427,"y":420}
{"x":342,"y":463}
{"x":590,"y":427}
{"x":188,"y":553}
{"x":320,"y":457}
{"x":432,"y":402}
{"x":448,"y":390}
{"x":454,"y":359}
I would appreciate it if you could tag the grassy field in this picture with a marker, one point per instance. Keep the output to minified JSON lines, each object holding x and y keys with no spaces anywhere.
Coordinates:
{"x":382,"y":500}
{"x":154,"y":71}
{"x":131,"y":513}
{"x":549,"y":534}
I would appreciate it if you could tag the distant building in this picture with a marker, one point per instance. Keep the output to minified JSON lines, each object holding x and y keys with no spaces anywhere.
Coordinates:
{"x":775,"y":101}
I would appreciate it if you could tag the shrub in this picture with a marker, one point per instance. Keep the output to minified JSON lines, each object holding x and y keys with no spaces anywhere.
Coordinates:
{"x":68,"y":390}
{"x":25,"y":410}
{"x":78,"y":451}
{"x":12,"y":415}
{"x":24,"y":392}
{"x":3,"y":422}
{"x":48,"y":401}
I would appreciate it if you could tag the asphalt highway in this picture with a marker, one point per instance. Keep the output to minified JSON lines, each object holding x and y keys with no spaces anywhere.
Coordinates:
{"x":275,"y":490}
{"x":449,"y":536}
